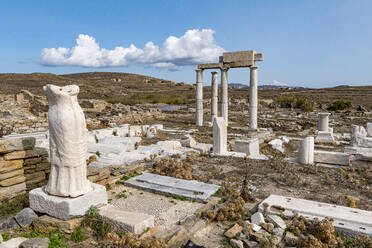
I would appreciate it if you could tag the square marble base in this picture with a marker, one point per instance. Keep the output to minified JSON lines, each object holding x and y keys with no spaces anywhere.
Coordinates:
{"x":64,"y":207}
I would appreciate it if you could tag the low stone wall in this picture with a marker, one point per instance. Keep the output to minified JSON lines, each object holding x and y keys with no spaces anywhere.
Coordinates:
{"x":22,"y":166}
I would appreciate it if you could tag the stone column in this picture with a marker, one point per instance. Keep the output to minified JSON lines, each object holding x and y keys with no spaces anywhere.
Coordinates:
{"x":224,"y":96}
{"x":253,"y":101}
{"x":214,"y":98}
{"x":219,"y":136}
{"x":306,"y":151}
{"x":323,"y":122}
{"x":199,"y":97}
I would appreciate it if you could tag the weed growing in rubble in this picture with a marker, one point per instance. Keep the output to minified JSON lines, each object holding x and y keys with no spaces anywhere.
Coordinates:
{"x":95,"y":222}
{"x":13,"y":206}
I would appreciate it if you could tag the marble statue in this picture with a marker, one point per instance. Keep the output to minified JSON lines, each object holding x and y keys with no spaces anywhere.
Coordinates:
{"x":68,"y":149}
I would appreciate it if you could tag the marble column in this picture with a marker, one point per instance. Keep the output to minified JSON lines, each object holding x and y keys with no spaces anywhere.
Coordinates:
{"x":219,"y":136}
{"x":224,"y":96}
{"x":306,"y":151}
{"x":199,"y":97}
{"x":323,"y":122}
{"x":214,"y":98}
{"x":253,"y":100}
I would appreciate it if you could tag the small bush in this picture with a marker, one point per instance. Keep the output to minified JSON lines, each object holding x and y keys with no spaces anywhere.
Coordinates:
{"x":78,"y":235}
{"x":95,"y":222}
{"x":13,"y":206}
{"x":339,"y":105}
{"x":56,"y":240}
{"x":295,"y":102}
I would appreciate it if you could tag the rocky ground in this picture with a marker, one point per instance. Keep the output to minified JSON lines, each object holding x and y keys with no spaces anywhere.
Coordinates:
{"x":227,"y":220}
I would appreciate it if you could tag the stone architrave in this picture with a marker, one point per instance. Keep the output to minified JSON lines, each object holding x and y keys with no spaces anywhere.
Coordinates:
{"x":306,"y":151}
{"x":67,"y":139}
{"x":214,"y":100}
{"x":253,"y":98}
{"x":199,"y":97}
{"x":219,"y":136}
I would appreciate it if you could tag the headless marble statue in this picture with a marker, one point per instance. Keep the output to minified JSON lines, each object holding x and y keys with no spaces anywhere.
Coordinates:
{"x":68,"y":149}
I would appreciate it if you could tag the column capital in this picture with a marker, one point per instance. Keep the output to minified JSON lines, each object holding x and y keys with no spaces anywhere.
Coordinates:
{"x":253,"y":67}
{"x":199,"y":70}
{"x":214,"y":72}
{"x":224,"y":69}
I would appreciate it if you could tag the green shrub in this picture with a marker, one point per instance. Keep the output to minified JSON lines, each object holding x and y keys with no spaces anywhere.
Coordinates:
{"x":295,"y":102}
{"x":339,"y":105}
{"x":56,"y":240}
{"x":13,"y":206}
{"x":78,"y":234}
{"x":95,"y":222}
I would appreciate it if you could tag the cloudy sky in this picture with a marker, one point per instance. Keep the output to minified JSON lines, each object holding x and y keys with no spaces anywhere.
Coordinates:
{"x":314,"y":43}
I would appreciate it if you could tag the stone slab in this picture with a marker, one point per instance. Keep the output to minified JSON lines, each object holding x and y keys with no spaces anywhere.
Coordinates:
{"x":66,"y":208}
{"x":16,"y":144}
{"x":190,"y":189}
{"x":358,"y":150}
{"x":13,"y":243}
{"x":327,"y":157}
{"x":351,"y":220}
{"x":125,"y":221}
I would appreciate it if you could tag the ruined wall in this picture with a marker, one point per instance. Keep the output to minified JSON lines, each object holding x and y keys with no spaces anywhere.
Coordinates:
{"x":22,"y":166}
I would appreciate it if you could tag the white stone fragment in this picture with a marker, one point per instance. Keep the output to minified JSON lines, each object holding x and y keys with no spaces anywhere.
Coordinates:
{"x":369,"y":129}
{"x":257,"y":218}
{"x":13,"y":243}
{"x":324,"y":137}
{"x":277,"y":145}
{"x":277,"y":221}
{"x":125,"y":221}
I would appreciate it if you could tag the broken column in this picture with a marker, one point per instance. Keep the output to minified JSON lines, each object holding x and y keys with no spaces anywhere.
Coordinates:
{"x":214,"y":98}
{"x":68,"y":193}
{"x":253,"y":101}
{"x":224,"y":95}
{"x":219,"y":136}
{"x":323,"y":122}
{"x":199,"y":97}
{"x":306,"y":151}
{"x":325,"y":134}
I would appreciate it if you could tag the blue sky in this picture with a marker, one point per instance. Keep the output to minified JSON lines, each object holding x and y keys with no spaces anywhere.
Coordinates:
{"x":317,"y":43}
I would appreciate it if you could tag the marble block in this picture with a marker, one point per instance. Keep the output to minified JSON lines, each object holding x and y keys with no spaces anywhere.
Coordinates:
{"x":64,"y":207}
{"x":324,"y":137}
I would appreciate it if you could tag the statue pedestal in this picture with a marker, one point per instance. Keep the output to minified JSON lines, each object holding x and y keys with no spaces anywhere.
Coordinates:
{"x":64,"y":207}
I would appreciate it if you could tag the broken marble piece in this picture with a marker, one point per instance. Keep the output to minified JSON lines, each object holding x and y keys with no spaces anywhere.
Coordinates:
{"x":219,"y":136}
{"x":306,"y":151}
{"x":359,"y":137}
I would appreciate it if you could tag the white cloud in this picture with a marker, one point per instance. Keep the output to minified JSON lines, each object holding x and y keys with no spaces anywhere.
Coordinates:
{"x":277,"y":83}
{"x":195,"y":46}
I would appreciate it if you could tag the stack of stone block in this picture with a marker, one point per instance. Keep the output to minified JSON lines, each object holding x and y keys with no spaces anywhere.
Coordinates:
{"x":22,"y":166}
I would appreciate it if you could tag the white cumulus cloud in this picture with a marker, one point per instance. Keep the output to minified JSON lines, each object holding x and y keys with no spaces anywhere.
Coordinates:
{"x":195,"y":46}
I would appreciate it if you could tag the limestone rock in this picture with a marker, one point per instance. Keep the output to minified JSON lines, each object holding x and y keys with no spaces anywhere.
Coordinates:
{"x":257,"y":218}
{"x":277,"y":221}
{"x":25,"y":217}
{"x":35,"y":243}
{"x":48,"y":223}
{"x":12,"y":191}
{"x":13,"y":243}
{"x":12,"y":181}
{"x":6,"y":166}
{"x":251,"y":244}
{"x":8,"y":224}
{"x":233,"y":231}
{"x":18,"y":144}
{"x":268,"y":227}
{"x":291,"y":239}
{"x":236,"y":243}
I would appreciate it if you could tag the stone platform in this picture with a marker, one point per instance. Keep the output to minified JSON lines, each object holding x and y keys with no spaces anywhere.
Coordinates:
{"x":66,"y":208}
